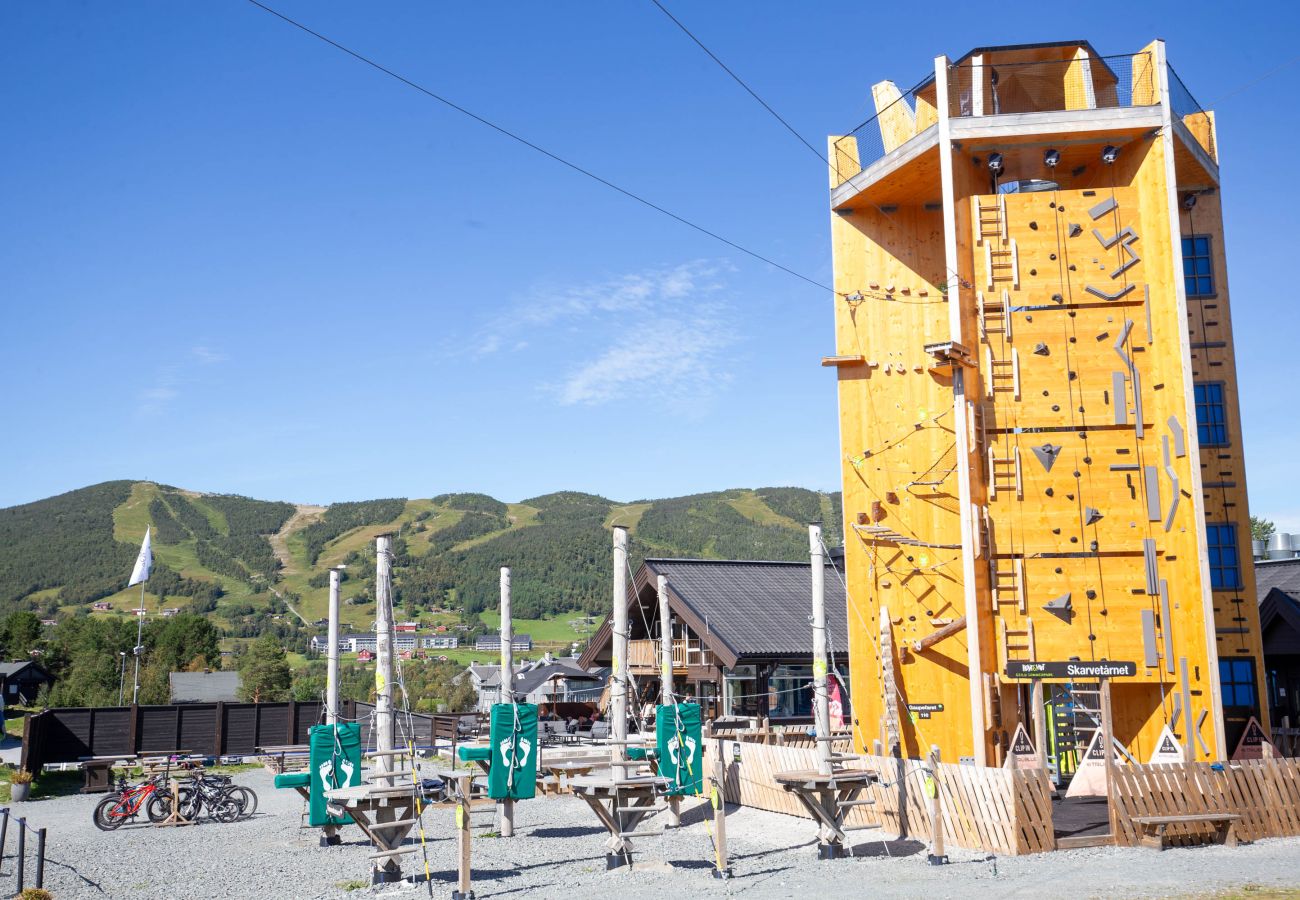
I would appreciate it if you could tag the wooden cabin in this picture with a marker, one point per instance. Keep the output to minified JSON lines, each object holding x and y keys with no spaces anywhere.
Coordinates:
{"x":1040,"y":439}
{"x":741,"y":638}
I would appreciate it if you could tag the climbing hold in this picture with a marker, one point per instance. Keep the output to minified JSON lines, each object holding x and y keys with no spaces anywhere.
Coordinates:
{"x":1041,"y":349}
{"x":1076,"y":475}
{"x":1073,"y":267}
{"x":1047,"y":455}
{"x":1057,"y":298}
{"x":1058,"y":570}
{"x":1052,"y":256}
{"x":1091,"y":516}
{"x":1087,"y":460}
{"x":1069,"y":496}
{"x":1056,"y":407}
{"x":1074,"y":375}
{"x":1075,"y":229}
{"x":1061,"y":607}
{"x":1074,"y":539}
{"x":1029,"y":318}
{"x":1073,"y":339}
{"x":1056,"y":531}
{"x":1033,"y":271}
{"x":1033,"y":226}
{"x":1092,"y":595}
{"x":1045,"y":393}
{"x":1049,"y":492}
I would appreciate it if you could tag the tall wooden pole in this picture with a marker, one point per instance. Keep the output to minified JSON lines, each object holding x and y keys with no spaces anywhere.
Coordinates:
{"x":332,"y":652}
{"x":821,"y":693}
{"x":506,"y":808}
{"x":937,"y":856}
{"x":384,"y":655}
{"x":666,"y":678}
{"x":618,"y":692}
{"x":389,"y":870}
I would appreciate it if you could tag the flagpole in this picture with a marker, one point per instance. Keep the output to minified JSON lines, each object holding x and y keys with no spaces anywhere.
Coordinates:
{"x":139,"y":634}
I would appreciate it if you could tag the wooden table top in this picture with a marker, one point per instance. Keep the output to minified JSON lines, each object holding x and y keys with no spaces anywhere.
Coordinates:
{"x":816,"y":778}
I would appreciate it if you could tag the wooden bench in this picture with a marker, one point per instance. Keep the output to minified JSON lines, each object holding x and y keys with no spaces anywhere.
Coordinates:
{"x":1153,"y":830}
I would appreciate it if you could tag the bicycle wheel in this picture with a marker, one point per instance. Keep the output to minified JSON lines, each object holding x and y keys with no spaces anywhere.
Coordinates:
{"x":191,"y":802}
{"x":103,"y":816}
{"x":159,"y":807}
{"x":224,"y":809}
{"x":246,"y":799}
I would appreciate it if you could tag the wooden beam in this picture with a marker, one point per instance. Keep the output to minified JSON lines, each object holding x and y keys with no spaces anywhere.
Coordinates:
{"x":935,"y":637}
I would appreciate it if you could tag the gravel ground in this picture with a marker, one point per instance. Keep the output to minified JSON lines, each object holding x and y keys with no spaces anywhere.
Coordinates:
{"x":558,"y":852}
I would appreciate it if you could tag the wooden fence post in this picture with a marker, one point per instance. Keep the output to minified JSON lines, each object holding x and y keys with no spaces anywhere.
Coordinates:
{"x":937,"y":856}
{"x":219,"y":730}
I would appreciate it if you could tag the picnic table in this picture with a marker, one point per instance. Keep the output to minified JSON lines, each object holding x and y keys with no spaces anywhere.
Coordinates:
{"x":827,"y":799}
{"x":281,"y":758}
{"x":98,"y":772}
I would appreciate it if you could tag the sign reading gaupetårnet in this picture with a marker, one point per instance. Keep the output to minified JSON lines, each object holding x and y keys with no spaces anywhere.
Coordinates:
{"x":924,"y":710}
{"x":1071,"y":669}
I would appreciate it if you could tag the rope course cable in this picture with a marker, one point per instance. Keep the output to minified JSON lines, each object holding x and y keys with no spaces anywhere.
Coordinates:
{"x":538,"y":148}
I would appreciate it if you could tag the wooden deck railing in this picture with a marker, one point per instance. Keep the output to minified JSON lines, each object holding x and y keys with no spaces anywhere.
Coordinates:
{"x":645,"y":654}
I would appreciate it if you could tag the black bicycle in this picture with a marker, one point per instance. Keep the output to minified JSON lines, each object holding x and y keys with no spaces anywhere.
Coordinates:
{"x":210,"y":794}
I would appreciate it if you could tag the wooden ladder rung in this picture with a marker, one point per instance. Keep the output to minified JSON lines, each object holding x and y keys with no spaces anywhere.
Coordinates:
{"x":653,"y":832}
{"x":402,"y":851}
{"x":396,"y":823}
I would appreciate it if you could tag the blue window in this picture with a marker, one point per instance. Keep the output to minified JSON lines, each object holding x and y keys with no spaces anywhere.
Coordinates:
{"x":1225,"y":569}
{"x":1211,"y":418}
{"x":1198,"y":274}
{"x":1237,"y":680}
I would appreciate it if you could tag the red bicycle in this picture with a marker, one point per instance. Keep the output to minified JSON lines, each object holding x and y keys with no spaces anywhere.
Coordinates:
{"x":124,"y":804}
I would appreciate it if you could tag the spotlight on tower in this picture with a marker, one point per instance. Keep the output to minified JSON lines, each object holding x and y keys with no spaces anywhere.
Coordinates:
{"x":1051,"y":158}
{"x":995,"y":163}
{"x":1109,"y":154}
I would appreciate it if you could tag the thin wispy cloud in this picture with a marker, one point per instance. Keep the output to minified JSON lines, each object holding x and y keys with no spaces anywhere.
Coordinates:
{"x":672,"y":361}
{"x":207,"y":356}
{"x":158,"y":396}
{"x":656,"y":335}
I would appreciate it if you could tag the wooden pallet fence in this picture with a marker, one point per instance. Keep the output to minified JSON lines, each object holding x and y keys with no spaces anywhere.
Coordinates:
{"x":994,"y":810}
{"x":1264,"y":792}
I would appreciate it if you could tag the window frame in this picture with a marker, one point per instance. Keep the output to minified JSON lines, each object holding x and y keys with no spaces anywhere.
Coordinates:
{"x":1214,"y":547}
{"x":1221,"y":403}
{"x":1229,"y":666}
{"x":1190,"y":255}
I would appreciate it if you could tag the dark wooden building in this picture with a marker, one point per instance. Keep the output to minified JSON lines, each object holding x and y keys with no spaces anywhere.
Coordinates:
{"x":1278,"y":586}
{"x":741,"y":635}
{"x":21,"y":681}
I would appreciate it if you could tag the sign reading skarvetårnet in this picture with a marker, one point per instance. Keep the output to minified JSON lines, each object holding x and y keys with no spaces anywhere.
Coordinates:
{"x":1071,"y":669}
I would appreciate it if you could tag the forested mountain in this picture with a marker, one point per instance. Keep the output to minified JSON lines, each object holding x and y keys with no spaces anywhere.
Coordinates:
{"x":252,"y":566}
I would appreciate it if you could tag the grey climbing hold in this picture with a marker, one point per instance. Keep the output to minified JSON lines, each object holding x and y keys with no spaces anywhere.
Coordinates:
{"x":1062,"y":607}
{"x":1047,"y":455}
{"x":1041,"y":349}
{"x":1075,"y":230}
{"x":1102,"y":208}
{"x":1091,"y":516}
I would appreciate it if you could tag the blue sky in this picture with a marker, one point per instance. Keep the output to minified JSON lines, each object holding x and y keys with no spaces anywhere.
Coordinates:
{"x":234,"y":259}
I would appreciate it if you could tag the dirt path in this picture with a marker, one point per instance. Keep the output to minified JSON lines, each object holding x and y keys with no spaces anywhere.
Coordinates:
{"x":302,"y":515}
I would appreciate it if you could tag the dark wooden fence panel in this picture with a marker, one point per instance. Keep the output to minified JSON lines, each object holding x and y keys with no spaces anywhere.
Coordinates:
{"x":72,"y":734}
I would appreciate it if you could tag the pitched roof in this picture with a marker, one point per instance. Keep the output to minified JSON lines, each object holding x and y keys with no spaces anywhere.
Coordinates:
{"x":744,"y":608}
{"x":1283,"y":574}
{"x":12,"y":668}
{"x":530,"y":680}
{"x":204,"y":687}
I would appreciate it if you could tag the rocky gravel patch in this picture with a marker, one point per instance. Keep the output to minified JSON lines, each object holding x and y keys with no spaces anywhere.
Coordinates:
{"x":558,"y":852}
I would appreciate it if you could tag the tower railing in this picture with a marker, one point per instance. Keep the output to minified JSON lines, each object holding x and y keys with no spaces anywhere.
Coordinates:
{"x":1084,"y":82}
{"x":1187,"y":110}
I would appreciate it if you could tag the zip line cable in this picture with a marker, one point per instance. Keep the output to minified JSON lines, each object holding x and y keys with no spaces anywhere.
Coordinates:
{"x":788,"y":127}
{"x":542,"y":150}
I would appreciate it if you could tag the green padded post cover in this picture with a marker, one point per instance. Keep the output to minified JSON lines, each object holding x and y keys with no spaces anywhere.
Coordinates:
{"x":332,"y":764}
{"x":680,"y":748}
{"x":512,"y":773}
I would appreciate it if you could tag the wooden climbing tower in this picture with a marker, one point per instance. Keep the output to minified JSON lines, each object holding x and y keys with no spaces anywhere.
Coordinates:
{"x":1040,"y":440}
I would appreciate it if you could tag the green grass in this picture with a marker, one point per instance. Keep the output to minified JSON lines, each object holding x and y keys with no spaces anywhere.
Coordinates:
{"x":553,"y":629}
{"x":628,"y":515}
{"x":752,"y":507}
